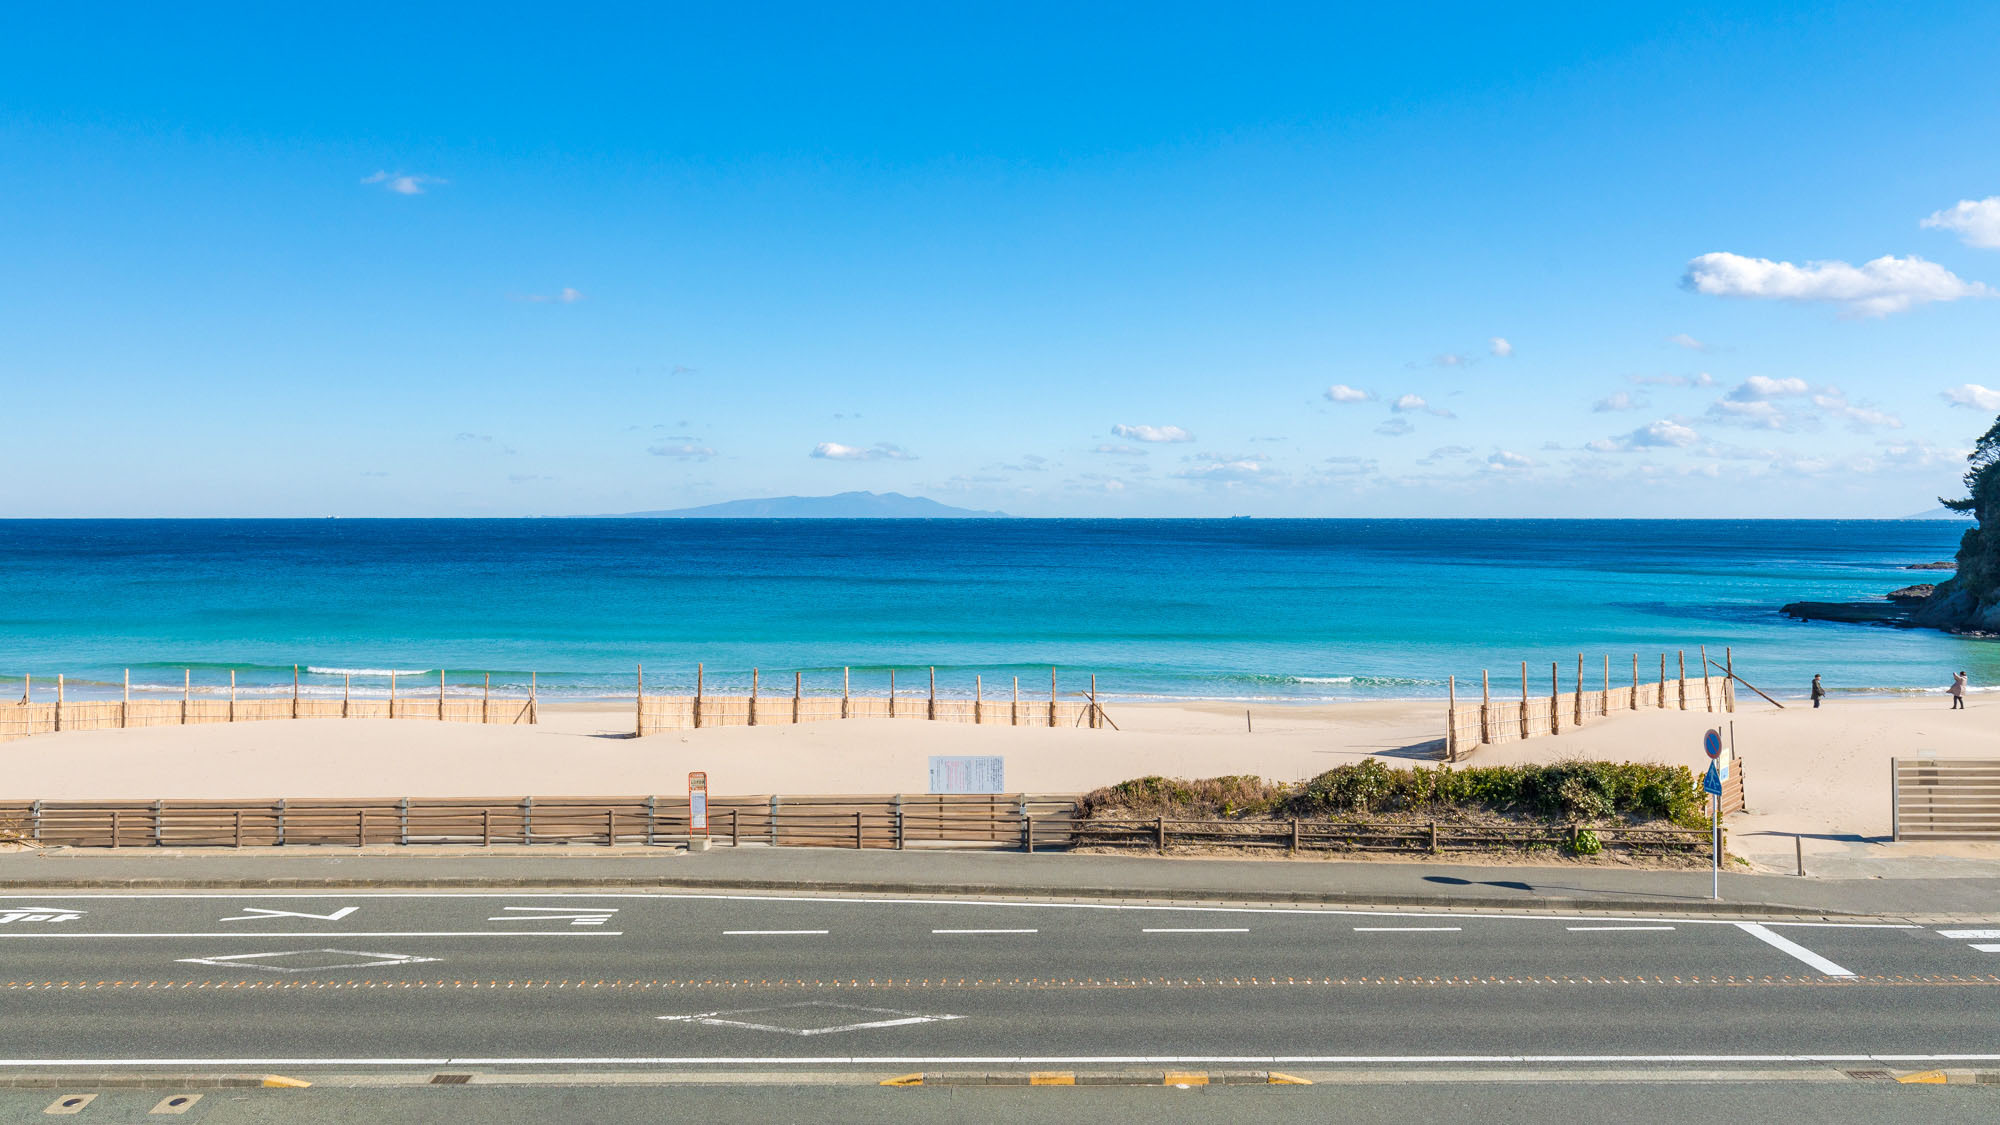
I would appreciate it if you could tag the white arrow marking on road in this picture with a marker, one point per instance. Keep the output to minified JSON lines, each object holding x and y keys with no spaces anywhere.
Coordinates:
{"x":257,"y":912}
{"x":577,"y":916}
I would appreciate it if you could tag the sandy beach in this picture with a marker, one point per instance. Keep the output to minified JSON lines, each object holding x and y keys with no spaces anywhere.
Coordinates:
{"x":1819,"y":774}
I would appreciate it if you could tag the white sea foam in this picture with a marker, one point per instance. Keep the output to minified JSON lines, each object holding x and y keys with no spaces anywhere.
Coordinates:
{"x":385,"y":673}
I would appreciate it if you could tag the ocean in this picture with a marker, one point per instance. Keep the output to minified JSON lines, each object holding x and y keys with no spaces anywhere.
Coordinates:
{"x":1261,"y":610}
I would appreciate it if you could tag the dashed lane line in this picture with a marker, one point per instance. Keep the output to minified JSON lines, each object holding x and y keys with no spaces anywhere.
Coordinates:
{"x":1197,"y":930}
{"x":1612,"y":929}
{"x":770,"y":933}
{"x":996,"y":983}
{"x":1407,"y":929}
{"x":986,"y":931}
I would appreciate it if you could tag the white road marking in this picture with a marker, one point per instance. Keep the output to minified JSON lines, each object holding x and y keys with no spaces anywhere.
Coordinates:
{"x":767,"y":933}
{"x":1970,"y":935}
{"x":576,"y":916}
{"x":39,"y":914}
{"x":1594,"y":929}
{"x":986,"y":931}
{"x":1984,"y":948}
{"x":263,"y":961}
{"x":830,"y":899}
{"x":336,"y":933}
{"x":997,"y":1060}
{"x":258,"y":913}
{"x":1193,"y":930}
{"x":896,"y":1018}
{"x":1407,"y":929}
{"x":1786,"y":945}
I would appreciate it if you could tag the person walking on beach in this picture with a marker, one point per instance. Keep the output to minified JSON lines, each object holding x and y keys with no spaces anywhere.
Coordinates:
{"x":1818,"y":692}
{"x":1958,"y":692}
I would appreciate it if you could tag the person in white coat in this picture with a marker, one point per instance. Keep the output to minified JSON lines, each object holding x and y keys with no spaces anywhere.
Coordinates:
{"x":1958,"y":692}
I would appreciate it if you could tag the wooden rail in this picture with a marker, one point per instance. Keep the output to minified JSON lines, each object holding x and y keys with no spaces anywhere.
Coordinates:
{"x":1010,"y":820}
{"x":1944,"y":798}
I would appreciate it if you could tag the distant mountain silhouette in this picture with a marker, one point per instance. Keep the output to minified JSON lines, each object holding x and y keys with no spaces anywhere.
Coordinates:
{"x":845,"y":506}
{"x":1939,"y":514}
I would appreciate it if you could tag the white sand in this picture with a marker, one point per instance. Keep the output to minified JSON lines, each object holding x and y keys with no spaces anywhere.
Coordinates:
{"x":1820,"y":773}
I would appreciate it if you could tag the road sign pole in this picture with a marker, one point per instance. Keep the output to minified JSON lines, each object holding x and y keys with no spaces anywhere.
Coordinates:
{"x":1715,"y":849}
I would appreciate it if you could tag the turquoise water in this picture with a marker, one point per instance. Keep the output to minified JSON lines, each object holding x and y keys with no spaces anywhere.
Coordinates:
{"x":1220,"y":609}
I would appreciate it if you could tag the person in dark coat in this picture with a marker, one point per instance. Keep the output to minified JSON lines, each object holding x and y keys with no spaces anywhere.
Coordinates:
{"x":1818,"y":692}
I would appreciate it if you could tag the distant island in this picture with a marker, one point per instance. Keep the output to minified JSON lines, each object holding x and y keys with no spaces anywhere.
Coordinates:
{"x":844,"y":506}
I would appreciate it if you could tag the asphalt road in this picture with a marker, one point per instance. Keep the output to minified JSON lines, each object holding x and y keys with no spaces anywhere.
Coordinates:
{"x":422,"y":982}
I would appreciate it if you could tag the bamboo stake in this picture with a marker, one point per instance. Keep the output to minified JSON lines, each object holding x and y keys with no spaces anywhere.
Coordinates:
{"x":1579,"y":689}
{"x":1524,"y":699}
{"x":1485,"y":707}
{"x":930,"y":708}
{"x":1729,"y":679}
{"x":1684,"y":679}
{"x":1663,"y":681}
{"x":486,"y":699}
{"x":232,"y":693}
{"x":978,"y":699}
{"x":697,"y":696}
{"x":187,"y":693}
{"x":392,"y":693}
{"x":125,"y":707}
{"x":798,"y":687}
{"x":1094,"y":721}
{"x":1555,"y":698}
{"x":1635,"y":683}
{"x":440,"y":695}
{"x":1605,"y":710}
{"x":1052,"y":697}
{"x":534,"y":699}
{"x":1707,"y":695}
{"x":1014,"y":713}
{"x":1450,"y":718}
{"x":59,"y":700}
{"x":753,"y":697}
{"x":346,"y":690}
{"x":295,"y":691}
{"x":639,"y":704}
{"x":892,"y":693}
{"x":844,"y":674}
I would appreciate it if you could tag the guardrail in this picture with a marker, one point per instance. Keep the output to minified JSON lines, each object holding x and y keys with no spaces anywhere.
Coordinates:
{"x":1014,"y":820}
{"x":1944,"y":798}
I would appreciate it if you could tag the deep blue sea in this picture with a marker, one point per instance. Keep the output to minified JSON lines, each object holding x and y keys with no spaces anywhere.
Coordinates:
{"x":1219,"y":609}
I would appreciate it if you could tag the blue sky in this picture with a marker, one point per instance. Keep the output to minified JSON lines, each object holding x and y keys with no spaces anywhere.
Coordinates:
{"x":1156,"y":260}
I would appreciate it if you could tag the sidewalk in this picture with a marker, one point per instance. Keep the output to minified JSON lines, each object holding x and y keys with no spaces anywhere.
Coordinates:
{"x":962,"y":873}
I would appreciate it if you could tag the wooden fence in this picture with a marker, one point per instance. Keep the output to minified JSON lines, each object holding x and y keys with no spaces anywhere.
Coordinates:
{"x":655,"y":714}
{"x":1012,"y":820}
{"x":1546,"y":709}
{"x":1944,"y":798}
{"x":22,"y":718}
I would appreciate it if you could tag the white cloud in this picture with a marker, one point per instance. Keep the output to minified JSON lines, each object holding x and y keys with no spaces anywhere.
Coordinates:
{"x":1450,"y":359}
{"x":1505,"y":461}
{"x":1349,"y":466}
{"x":570,"y":296}
{"x":1860,"y":418}
{"x":1761,"y":414}
{"x":1445,"y":453}
{"x":402,"y":183}
{"x":682,"y":452}
{"x":1759,"y":387}
{"x":1663,"y":434}
{"x":1341,"y":392}
{"x":1120,"y":450}
{"x":1151,"y":433}
{"x":1404,"y":404}
{"x":1877,"y":288}
{"x":1499,"y":346}
{"x":880,"y":451}
{"x":1683,"y":340}
{"x":1232,"y":470}
{"x":1622,"y":400}
{"x":1395,"y":427}
{"x":1699,"y":379}
{"x":1975,"y":221}
{"x":1972,"y":396}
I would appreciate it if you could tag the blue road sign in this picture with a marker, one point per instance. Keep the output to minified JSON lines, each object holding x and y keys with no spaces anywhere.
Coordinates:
{"x":1712,"y":742}
{"x":1711,"y":782}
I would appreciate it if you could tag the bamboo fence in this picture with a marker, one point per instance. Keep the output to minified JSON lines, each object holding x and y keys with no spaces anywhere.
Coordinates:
{"x":656,"y":714}
{"x":444,"y":703}
{"x":1544,"y":708}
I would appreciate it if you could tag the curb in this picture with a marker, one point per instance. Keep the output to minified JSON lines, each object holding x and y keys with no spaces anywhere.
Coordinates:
{"x":955,"y":890}
{"x":1183,"y":1079}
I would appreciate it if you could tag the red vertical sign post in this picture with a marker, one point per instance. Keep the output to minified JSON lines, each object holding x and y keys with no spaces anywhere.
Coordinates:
{"x":698,"y":803}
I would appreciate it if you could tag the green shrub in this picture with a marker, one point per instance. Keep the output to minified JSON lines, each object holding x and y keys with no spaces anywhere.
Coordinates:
{"x":1586,"y":842}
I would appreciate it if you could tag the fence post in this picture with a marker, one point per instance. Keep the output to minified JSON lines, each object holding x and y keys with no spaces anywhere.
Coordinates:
{"x":346,"y":692}
{"x":1684,"y":679}
{"x":639,"y":704}
{"x":1605,"y":704}
{"x":114,"y":828}
{"x":653,"y":819}
{"x":1663,"y":681}
{"x":239,"y":828}
{"x":892,"y":693}
{"x":403,"y":822}
{"x":1451,"y":719}
{"x":899,"y":822}
{"x":610,"y":828}
{"x":281,"y":822}
{"x":1014,"y":711}
{"x":534,"y":699}
{"x":486,"y":827}
{"x":187,"y":690}
{"x":1635,"y":683}
{"x":1485,"y":708}
{"x":1555,"y":698}
{"x":392,"y":693}
{"x":1028,"y":834}
{"x":845,"y":673}
{"x":1052,"y":697}
{"x":361,"y":827}
{"x":1294,"y":850}
{"x":1707,"y":692}
{"x":35,"y":821}
{"x":485,"y":699}
{"x":930,"y":707}
{"x":440,"y":695}
{"x":1095,"y":720}
{"x":1895,"y":802}
{"x":125,"y":706}
{"x":857,"y":829}
{"x":159,"y":823}
{"x":774,"y":820}
{"x":978,"y":699}
{"x":1434,"y":836}
{"x":1729,"y":680}
{"x":798,"y":689}
{"x":527,"y":820}
{"x":59,"y":699}
{"x":1524,"y":699}
{"x":753,"y":697}
{"x":295,"y":690}
{"x":697,"y":696}
{"x":1579,"y":689}
{"x":1160,"y":840}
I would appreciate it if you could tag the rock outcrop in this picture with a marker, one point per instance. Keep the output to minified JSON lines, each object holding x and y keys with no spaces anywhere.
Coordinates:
{"x":1969,"y":601}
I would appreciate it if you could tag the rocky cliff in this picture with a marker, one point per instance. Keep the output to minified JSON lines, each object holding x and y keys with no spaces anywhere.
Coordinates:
{"x":1969,"y":602}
